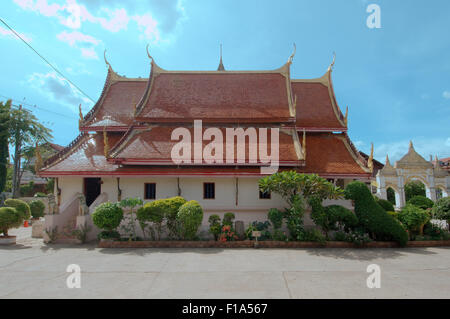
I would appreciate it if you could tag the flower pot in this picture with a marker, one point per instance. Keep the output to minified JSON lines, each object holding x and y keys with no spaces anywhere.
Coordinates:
{"x":37,"y":229}
{"x":7,"y":240}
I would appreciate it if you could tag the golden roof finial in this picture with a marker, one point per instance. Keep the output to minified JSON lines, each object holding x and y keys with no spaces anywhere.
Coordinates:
{"x":148,"y":53}
{"x":370,"y":160}
{"x":38,"y":162}
{"x":304,"y":144}
{"x":332,"y":62}
{"x":80,"y":120}
{"x":292,"y":55}
{"x":221,"y":67}
{"x":105,"y":142}
{"x":106,"y":61}
{"x":346,"y":116}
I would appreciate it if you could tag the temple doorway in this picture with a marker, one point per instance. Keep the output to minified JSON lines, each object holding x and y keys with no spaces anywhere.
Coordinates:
{"x":92,"y":188}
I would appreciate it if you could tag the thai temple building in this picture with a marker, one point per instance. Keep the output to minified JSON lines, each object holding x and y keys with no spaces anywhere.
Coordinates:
{"x":125,"y":144}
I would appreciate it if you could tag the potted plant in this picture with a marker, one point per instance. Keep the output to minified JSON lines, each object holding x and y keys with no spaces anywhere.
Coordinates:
{"x":9,"y":218}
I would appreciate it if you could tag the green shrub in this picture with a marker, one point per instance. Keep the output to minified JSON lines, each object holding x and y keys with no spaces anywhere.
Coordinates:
{"x":37,"y":208}
{"x":393,"y":214}
{"x":294,"y":218}
{"x":435,"y":232}
{"x":441,"y":209}
{"x":276,"y":218}
{"x":190,"y":216}
{"x":414,"y":188}
{"x":171,"y":207}
{"x":262,"y":227}
{"x":109,"y":234}
{"x":9,"y":218}
{"x":151,"y":216}
{"x":332,"y":217}
{"x":107,"y":216}
{"x":385,"y":204}
{"x":312,"y":235}
{"x":414,"y":218}
{"x":214,"y":226}
{"x":421,"y":202}
{"x":372,"y":218}
{"x":21,"y":207}
{"x":228,"y":219}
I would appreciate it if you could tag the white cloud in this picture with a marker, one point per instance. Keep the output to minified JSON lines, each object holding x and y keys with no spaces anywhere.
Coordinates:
{"x":58,"y":89}
{"x":77,"y":37}
{"x":8,"y":33}
{"x":446,"y":95}
{"x":152,"y":18}
{"x":89,"y":53}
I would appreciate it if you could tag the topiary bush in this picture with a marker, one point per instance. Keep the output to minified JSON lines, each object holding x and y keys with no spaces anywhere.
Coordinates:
{"x":228,"y":219}
{"x":441,"y":209}
{"x":21,"y":207}
{"x":214,"y":226}
{"x":171,"y":206}
{"x":421,"y":202}
{"x":332,"y":217}
{"x":190,"y":216}
{"x":37,"y":208}
{"x":385,"y":204}
{"x":9,"y":218}
{"x":151,"y":216}
{"x":414,"y":218}
{"x":107,"y":216}
{"x":372,"y":218}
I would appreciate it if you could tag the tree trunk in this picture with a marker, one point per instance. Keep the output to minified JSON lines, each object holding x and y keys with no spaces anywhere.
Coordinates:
{"x":17,"y":157}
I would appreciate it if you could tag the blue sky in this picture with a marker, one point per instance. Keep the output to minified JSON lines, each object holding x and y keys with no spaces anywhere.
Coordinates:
{"x":395,"y":80}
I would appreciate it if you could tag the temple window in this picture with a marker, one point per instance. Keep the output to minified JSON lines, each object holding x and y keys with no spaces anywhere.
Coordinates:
{"x":209,"y":191}
{"x":264,"y":195}
{"x":150,"y":191}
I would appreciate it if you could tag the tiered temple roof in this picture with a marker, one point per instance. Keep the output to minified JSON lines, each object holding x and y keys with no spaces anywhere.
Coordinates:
{"x":135,"y":117}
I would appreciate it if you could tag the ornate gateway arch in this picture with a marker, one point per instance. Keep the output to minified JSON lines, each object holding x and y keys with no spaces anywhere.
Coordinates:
{"x":411,"y":167}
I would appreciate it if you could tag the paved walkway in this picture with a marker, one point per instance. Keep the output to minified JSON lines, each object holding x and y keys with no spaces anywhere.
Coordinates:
{"x":32,"y":269}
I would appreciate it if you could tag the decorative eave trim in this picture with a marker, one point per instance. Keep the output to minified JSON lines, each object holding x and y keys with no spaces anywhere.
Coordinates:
{"x":64,"y":153}
{"x":354,"y":153}
{"x":215,"y":120}
{"x":321,"y":129}
{"x":166,"y":162}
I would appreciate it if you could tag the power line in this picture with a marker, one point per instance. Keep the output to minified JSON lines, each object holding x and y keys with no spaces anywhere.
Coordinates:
{"x":46,"y":61}
{"x":37,"y":107}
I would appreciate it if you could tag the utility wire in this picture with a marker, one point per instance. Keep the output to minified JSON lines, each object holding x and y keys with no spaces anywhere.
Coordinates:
{"x":46,"y":61}
{"x":37,"y":107}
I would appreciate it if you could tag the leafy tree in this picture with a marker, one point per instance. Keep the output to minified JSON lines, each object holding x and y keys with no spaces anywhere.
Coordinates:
{"x":441,"y":209}
{"x":4,"y":137}
{"x":131,"y":203}
{"x":290,"y":184}
{"x":190,"y":216}
{"x":25,"y":130}
{"x":414,"y":218}
{"x":421,"y":202}
{"x":414,"y":188}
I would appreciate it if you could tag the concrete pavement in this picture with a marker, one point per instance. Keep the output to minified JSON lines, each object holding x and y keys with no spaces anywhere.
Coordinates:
{"x":32,"y":269}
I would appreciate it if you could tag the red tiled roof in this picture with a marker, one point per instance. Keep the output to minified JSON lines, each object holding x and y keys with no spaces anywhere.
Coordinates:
{"x":85,"y":154}
{"x":115,"y":107}
{"x":219,"y":96}
{"x":327,"y":154}
{"x":316,"y":106}
{"x":154,"y":146}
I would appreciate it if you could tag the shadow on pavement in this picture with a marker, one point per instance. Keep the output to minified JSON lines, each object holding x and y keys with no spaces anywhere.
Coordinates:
{"x":368,"y":253}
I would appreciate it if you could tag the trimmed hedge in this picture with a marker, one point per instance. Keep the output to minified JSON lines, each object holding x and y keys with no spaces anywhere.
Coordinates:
{"x":9,"y":218}
{"x":385,"y":204}
{"x":107,"y":216}
{"x":171,"y":206}
{"x":190,"y":216}
{"x":21,"y":207}
{"x":374,"y":219}
{"x":421,"y":202}
{"x":37,"y":208}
